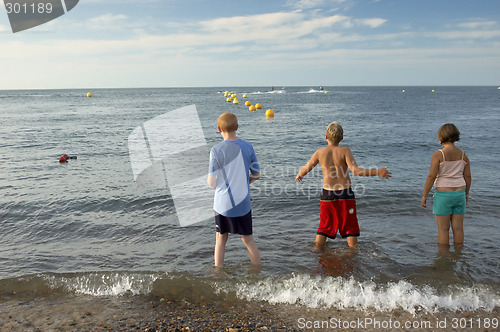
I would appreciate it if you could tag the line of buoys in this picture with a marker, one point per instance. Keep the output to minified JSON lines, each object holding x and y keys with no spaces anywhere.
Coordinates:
{"x":231,"y":97}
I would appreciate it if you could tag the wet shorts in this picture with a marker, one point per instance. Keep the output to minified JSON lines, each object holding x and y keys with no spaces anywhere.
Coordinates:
{"x":338,"y":213}
{"x":448,"y":202}
{"x":235,"y":225}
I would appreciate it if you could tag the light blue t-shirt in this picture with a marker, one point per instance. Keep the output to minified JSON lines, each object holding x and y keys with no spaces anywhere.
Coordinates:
{"x":230,"y":162}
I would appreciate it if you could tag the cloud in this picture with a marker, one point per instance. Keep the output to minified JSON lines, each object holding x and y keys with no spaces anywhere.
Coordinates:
{"x":107,"y":22}
{"x":478,"y":25}
{"x":371,"y":22}
{"x":239,"y":24}
{"x":465,"y":35}
{"x":276,"y":27}
{"x":308,"y":4}
{"x":4,"y":29}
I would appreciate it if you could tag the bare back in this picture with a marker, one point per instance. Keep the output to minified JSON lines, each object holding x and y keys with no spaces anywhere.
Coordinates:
{"x":336,"y":161}
{"x":334,"y":165}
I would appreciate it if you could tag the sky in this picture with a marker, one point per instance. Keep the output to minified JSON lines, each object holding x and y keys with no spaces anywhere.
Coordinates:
{"x":215,"y":43}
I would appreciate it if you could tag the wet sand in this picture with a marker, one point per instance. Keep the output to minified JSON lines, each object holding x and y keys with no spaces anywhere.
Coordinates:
{"x":136,"y":313}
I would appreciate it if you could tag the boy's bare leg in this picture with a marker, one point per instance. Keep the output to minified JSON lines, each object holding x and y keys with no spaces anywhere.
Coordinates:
{"x":253,"y":251}
{"x":352,"y":241}
{"x":457,"y":226}
{"x":320,"y":242}
{"x":220,"y":248}
{"x":443,"y":223}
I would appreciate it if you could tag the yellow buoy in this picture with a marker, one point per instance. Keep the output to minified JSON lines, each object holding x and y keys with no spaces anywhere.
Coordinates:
{"x":226,"y":93}
{"x":248,"y":103}
{"x":403,"y":91}
{"x":258,"y":106}
{"x":252,"y":108}
{"x":432,"y":90}
{"x":269,"y":113}
{"x":245,"y":95}
{"x":229,"y":99}
{"x":236,"y":101}
{"x":89,"y":94}
{"x":326,"y":91}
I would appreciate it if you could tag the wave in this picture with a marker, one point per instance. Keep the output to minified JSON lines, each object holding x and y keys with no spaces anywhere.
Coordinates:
{"x":297,"y":289}
{"x":266,"y":92}
{"x":342,"y":293}
{"x":93,"y":283}
{"x":313,"y":91}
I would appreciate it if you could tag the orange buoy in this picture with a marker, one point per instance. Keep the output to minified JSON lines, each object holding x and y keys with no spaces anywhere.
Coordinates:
{"x":64,"y":158}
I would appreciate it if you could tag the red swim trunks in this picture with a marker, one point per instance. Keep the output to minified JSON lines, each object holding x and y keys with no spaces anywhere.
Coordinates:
{"x":338,"y":213}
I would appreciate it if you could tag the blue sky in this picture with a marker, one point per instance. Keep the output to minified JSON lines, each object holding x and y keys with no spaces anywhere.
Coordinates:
{"x":172,"y":43}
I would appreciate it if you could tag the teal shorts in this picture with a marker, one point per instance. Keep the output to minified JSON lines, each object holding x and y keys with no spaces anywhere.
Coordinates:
{"x":449,"y":202}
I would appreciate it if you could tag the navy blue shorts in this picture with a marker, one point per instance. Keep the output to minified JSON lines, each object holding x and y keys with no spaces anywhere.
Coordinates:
{"x":234,"y":225}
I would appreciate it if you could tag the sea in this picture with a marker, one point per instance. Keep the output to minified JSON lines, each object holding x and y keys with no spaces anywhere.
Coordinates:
{"x":87,"y":227}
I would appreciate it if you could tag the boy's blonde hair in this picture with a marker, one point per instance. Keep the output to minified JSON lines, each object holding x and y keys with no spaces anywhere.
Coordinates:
{"x":227,"y":122}
{"x":334,"y":132}
{"x":448,"y":133}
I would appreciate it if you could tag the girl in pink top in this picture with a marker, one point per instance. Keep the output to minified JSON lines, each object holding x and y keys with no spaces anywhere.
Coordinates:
{"x":450,"y":174}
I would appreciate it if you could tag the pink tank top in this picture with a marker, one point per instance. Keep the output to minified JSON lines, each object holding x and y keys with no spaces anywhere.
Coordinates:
{"x":451,"y":173}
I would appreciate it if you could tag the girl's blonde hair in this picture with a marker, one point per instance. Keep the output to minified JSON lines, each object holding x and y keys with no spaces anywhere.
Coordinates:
{"x":334,"y":132}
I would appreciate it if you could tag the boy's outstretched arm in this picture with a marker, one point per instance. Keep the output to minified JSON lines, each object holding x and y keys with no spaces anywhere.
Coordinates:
{"x":356,"y":170}
{"x":307,"y":167}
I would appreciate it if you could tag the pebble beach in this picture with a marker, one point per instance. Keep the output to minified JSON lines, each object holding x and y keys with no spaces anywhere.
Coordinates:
{"x":84,"y":313}
{"x":132,"y":313}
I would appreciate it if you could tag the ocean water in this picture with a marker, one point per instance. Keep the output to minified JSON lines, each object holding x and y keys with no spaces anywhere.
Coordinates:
{"x":85,"y":227}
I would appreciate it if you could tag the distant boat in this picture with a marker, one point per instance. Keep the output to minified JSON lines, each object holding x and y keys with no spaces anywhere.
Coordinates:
{"x":498,"y":88}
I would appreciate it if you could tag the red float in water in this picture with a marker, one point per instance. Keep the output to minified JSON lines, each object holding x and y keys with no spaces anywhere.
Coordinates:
{"x":64,"y":158}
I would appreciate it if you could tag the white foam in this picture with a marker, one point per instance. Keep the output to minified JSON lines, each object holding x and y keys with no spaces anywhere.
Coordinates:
{"x":341,"y":293}
{"x":106,"y":284}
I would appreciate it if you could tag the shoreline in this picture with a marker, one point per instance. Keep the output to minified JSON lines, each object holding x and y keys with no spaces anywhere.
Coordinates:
{"x":144,"y":313}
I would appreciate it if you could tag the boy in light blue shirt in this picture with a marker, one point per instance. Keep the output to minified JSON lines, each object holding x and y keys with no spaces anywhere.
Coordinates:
{"x":233,"y":166}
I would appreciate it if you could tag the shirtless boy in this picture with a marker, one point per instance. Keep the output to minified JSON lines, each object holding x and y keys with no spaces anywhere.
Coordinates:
{"x":338,"y":204}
